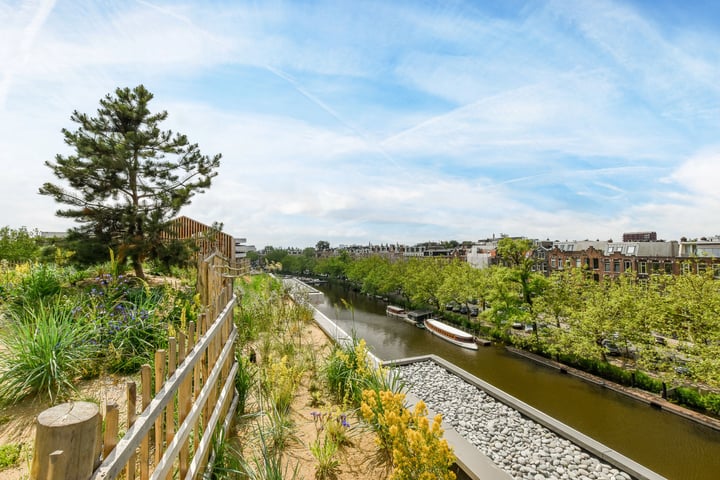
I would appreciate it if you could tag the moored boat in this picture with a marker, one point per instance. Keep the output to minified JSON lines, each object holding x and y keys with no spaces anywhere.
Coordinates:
{"x":451,"y":334}
{"x":417,"y":317}
{"x":395,"y":312}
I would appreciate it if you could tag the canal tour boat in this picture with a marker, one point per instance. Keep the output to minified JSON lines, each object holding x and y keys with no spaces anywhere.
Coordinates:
{"x":451,"y":334}
{"x":395,"y":312}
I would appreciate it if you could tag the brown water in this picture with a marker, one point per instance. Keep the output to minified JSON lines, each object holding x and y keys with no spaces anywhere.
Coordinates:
{"x":667,"y":444}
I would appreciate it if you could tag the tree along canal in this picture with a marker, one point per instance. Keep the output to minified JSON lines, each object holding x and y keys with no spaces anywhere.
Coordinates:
{"x":668,"y":444}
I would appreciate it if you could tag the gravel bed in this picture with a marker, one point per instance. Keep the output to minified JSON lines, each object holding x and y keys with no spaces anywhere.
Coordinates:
{"x":519,"y":446}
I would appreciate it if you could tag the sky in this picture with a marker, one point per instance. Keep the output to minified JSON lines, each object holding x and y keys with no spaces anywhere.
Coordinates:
{"x":374,"y":122}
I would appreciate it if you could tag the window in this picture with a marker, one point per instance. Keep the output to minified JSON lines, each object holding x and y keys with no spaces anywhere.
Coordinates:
{"x":642,"y":267}
{"x":631,"y":250}
{"x":668,"y":267}
{"x":655,"y":267}
{"x":610,"y":249}
{"x":578,"y":263}
{"x":607,"y":265}
{"x":552,"y":262}
{"x":596,"y":263}
{"x":616,"y":266}
{"x":686,"y":267}
{"x":628,"y":266}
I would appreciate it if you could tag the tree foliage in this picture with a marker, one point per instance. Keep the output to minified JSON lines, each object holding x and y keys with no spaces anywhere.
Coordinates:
{"x":18,"y":245}
{"x":126,"y":177}
{"x":576,"y":315}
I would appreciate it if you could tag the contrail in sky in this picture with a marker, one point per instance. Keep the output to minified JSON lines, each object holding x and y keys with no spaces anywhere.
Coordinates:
{"x":28,"y":37}
{"x":332,"y":113}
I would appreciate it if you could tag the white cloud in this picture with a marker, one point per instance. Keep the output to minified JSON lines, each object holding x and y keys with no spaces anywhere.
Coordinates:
{"x":558,"y":120}
{"x":700,"y":177}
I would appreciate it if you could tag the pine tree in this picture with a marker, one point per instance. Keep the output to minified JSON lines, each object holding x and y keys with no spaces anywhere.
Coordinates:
{"x":127,"y":177}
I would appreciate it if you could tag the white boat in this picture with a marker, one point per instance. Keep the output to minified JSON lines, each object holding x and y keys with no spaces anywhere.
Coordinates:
{"x":451,"y":334}
{"x":395,"y":312}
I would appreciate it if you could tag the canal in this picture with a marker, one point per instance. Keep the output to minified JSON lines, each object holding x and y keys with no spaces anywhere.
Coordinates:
{"x":670,"y":445}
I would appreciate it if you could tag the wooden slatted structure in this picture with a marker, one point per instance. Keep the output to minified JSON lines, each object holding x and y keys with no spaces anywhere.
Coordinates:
{"x":207,"y":238}
{"x":194,"y":393}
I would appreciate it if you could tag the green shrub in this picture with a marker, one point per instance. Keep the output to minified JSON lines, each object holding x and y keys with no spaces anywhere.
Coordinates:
{"x":244,"y":381}
{"x":324,"y":449}
{"x":646,"y":382}
{"x":9,"y":455}
{"x":347,"y":371}
{"x":712,"y":402}
{"x":42,"y":282}
{"x":130,"y":334}
{"x":44,"y":350}
{"x":688,"y":397}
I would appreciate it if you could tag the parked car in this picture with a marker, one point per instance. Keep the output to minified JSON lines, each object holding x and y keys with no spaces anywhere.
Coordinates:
{"x":464,"y":309}
{"x":474,"y":311}
{"x":610,"y":348}
{"x":517,"y":325}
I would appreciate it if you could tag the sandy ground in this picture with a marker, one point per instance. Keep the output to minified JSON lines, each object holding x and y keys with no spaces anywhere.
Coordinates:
{"x":359,"y":460}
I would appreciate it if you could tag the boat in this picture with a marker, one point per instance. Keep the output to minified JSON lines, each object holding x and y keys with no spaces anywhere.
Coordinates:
{"x":395,"y":312}
{"x":451,"y":334}
{"x":417,"y":317}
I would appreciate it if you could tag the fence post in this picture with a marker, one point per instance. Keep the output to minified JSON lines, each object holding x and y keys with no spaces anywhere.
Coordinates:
{"x":57,"y":469}
{"x":75,"y":429}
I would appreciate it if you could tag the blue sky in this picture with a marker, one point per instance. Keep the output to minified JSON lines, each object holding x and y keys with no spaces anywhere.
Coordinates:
{"x":365,"y":122}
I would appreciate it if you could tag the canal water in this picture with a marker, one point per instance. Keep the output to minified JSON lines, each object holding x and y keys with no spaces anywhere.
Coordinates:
{"x":670,"y":445}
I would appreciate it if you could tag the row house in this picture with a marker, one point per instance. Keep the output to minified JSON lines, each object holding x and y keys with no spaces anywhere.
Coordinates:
{"x":705,"y":253}
{"x":612,"y":259}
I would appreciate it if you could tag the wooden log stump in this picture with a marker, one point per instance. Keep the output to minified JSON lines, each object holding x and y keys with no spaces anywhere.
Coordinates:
{"x":75,"y":429}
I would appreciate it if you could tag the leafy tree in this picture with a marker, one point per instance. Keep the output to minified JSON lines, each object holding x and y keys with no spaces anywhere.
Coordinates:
{"x":335,"y":266}
{"x":372,"y":273}
{"x":564,"y":294}
{"x":458,"y":283}
{"x":322,"y":246}
{"x":422,"y":280}
{"x":17,"y":245}
{"x":517,"y":254}
{"x":127,"y":177}
{"x":503,"y":295}
{"x":275,"y":255}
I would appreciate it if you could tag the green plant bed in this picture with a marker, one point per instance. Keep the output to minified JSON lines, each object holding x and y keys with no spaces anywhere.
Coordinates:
{"x":10,"y":455}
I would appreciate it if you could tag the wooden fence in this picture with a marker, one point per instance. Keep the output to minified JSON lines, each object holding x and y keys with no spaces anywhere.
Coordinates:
{"x":193,"y":385}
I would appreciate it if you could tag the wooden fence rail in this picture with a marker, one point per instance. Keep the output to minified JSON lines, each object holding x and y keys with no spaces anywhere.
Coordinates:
{"x":193,"y":391}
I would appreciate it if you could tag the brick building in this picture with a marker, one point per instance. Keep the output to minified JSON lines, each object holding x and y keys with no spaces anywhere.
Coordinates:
{"x":611,"y":259}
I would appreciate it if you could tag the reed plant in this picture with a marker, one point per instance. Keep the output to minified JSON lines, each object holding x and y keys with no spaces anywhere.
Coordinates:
{"x":324,"y":450}
{"x":40,"y":282}
{"x":245,"y":380}
{"x":268,"y":463}
{"x":347,"y":371}
{"x":278,"y":429}
{"x":44,"y":350}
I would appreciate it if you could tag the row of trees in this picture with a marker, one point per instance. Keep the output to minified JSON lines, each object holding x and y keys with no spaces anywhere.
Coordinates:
{"x":571,"y":313}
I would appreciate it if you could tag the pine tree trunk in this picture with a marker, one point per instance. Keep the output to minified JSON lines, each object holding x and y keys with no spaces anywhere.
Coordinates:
{"x":137,"y":266}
